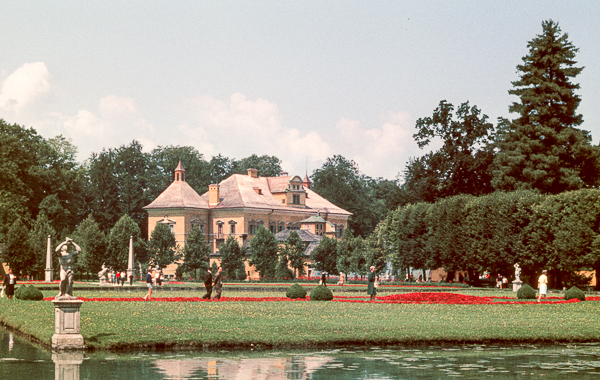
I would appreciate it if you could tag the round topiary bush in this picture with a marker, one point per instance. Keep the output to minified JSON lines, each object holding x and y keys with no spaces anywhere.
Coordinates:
{"x":526,"y":292}
{"x":295,"y":291}
{"x":28,"y":293}
{"x":575,"y":292}
{"x":321,"y":293}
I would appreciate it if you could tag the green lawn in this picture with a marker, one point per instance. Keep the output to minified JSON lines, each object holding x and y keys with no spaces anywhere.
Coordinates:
{"x":114,"y":325}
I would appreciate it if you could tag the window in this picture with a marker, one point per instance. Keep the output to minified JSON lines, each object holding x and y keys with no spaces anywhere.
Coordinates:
{"x":252,"y":229}
{"x":232,"y":229}
{"x":280,"y":228}
{"x":172,"y":228}
{"x":273,"y":229}
{"x":296,"y":199}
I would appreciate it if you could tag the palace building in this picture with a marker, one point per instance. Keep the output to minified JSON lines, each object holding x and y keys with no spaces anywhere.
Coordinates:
{"x":239,"y":205}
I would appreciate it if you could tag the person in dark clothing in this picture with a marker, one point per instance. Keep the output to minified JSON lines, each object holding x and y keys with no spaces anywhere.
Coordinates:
{"x":149,"y":284}
{"x":10,"y":280}
{"x":217,"y":284}
{"x":208,"y":285}
{"x":323,"y":279}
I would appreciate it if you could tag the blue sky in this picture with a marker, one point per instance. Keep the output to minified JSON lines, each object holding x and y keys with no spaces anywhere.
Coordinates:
{"x":299,"y":80}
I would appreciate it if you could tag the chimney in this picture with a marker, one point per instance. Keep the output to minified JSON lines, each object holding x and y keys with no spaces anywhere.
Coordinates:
{"x":252,"y":173}
{"x":213,"y":194}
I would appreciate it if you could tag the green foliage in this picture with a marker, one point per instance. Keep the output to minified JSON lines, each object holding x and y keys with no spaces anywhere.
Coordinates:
{"x":38,"y":243}
{"x":293,"y":250}
{"x":162,"y":247}
{"x":164,"y":160}
{"x":574,"y":293}
{"x":196,"y":252}
{"x":28,"y":293}
{"x":93,"y":245}
{"x":267,"y":166}
{"x":461,"y":165}
{"x":526,"y":292}
{"x":282,"y":271}
{"x":542,"y":149}
{"x":232,"y":260}
{"x":16,"y":252}
{"x":37,"y":174}
{"x":264,"y":252}
{"x":321,"y":293}
{"x":340,"y":181}
{"x":295,"y":291}
{"x":325,"y":255}
{"x":118,"y":244}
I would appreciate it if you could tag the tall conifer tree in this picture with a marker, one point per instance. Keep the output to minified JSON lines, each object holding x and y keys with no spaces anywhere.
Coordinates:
{"x":542,"y":149}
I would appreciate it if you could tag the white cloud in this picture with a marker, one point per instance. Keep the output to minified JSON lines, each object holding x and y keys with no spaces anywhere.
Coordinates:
{"x":240,"y":127}
{"x":118,"y":122}
{"x":379,"y":152}
{"x":24,"y":86}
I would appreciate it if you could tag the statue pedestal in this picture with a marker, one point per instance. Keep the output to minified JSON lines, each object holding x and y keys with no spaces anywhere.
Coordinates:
{"x":66,"y":364}
{"x":66,"y":324}
{"x":102,"y":282}
{"x":517,"y":285}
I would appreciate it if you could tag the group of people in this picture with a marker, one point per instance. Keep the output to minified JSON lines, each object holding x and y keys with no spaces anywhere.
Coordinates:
{"x":501,"y":281}
{"x":116,"y":278}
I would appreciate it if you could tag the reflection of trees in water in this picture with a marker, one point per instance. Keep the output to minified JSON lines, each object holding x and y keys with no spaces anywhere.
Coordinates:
{"x":282,"y":368}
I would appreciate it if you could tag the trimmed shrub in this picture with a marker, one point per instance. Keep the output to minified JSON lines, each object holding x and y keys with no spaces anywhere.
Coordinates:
{"x":295,"y":291}
{"x":575,"y":292}
{"x":526,"y":292}
{"x":321,"y":293}
{"x":28,"y":293}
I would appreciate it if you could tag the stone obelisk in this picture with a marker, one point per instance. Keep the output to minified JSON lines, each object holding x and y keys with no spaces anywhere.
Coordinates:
{"x":49,"y":270}
{"x":130,"y":271}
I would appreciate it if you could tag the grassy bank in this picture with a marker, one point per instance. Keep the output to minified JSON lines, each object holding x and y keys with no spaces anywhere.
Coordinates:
{"x":119,"y":325}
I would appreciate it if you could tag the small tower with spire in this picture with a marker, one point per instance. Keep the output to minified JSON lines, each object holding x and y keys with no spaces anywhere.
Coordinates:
{"x":180,"y":173}
{"x":306,"y":182}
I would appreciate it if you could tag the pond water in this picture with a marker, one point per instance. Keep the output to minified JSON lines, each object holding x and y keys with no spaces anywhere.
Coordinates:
{"x":20,"y":359}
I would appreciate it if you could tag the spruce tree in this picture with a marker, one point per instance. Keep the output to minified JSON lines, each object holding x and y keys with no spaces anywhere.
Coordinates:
{"x":196,"y":253}
{"x":543,"y":149}
{"x":264,"y":252}
{"x":232,"y":260}
{"x":162,"y":246}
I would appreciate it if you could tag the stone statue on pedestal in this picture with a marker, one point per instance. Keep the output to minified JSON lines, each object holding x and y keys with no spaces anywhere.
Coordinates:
{"x":102,"y":275}
{"x":517,"y":272}
{"x":66,"y":268}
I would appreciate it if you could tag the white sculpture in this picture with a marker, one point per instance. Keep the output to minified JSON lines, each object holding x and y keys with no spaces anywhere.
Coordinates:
{"x":66,"y":268}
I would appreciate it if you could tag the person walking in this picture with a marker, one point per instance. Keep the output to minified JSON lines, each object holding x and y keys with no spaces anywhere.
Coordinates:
{"x":371,"y":283}
{"x":218,"y":284}
{"x":543,"y":285}
{"x":208,"y":285}
{"x":149,"y":284}
{"x":323,"y":279}
{"x":10,"y":280}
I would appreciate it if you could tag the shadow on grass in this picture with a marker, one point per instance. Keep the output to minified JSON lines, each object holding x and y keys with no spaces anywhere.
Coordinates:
{"x":96,"y":337}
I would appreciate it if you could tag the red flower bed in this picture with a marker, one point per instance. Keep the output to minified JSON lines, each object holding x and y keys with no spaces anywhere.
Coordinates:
{"x":406,"y":298}
{"x":182,"y":299}
{"x":443,"y":298}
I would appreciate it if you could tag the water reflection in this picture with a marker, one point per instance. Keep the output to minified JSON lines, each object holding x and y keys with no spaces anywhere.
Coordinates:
{"x":22,"y":360}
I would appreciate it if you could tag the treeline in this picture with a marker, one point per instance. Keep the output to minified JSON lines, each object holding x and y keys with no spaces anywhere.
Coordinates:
{"x":44,"y":191}
{"x":493,"y":232}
